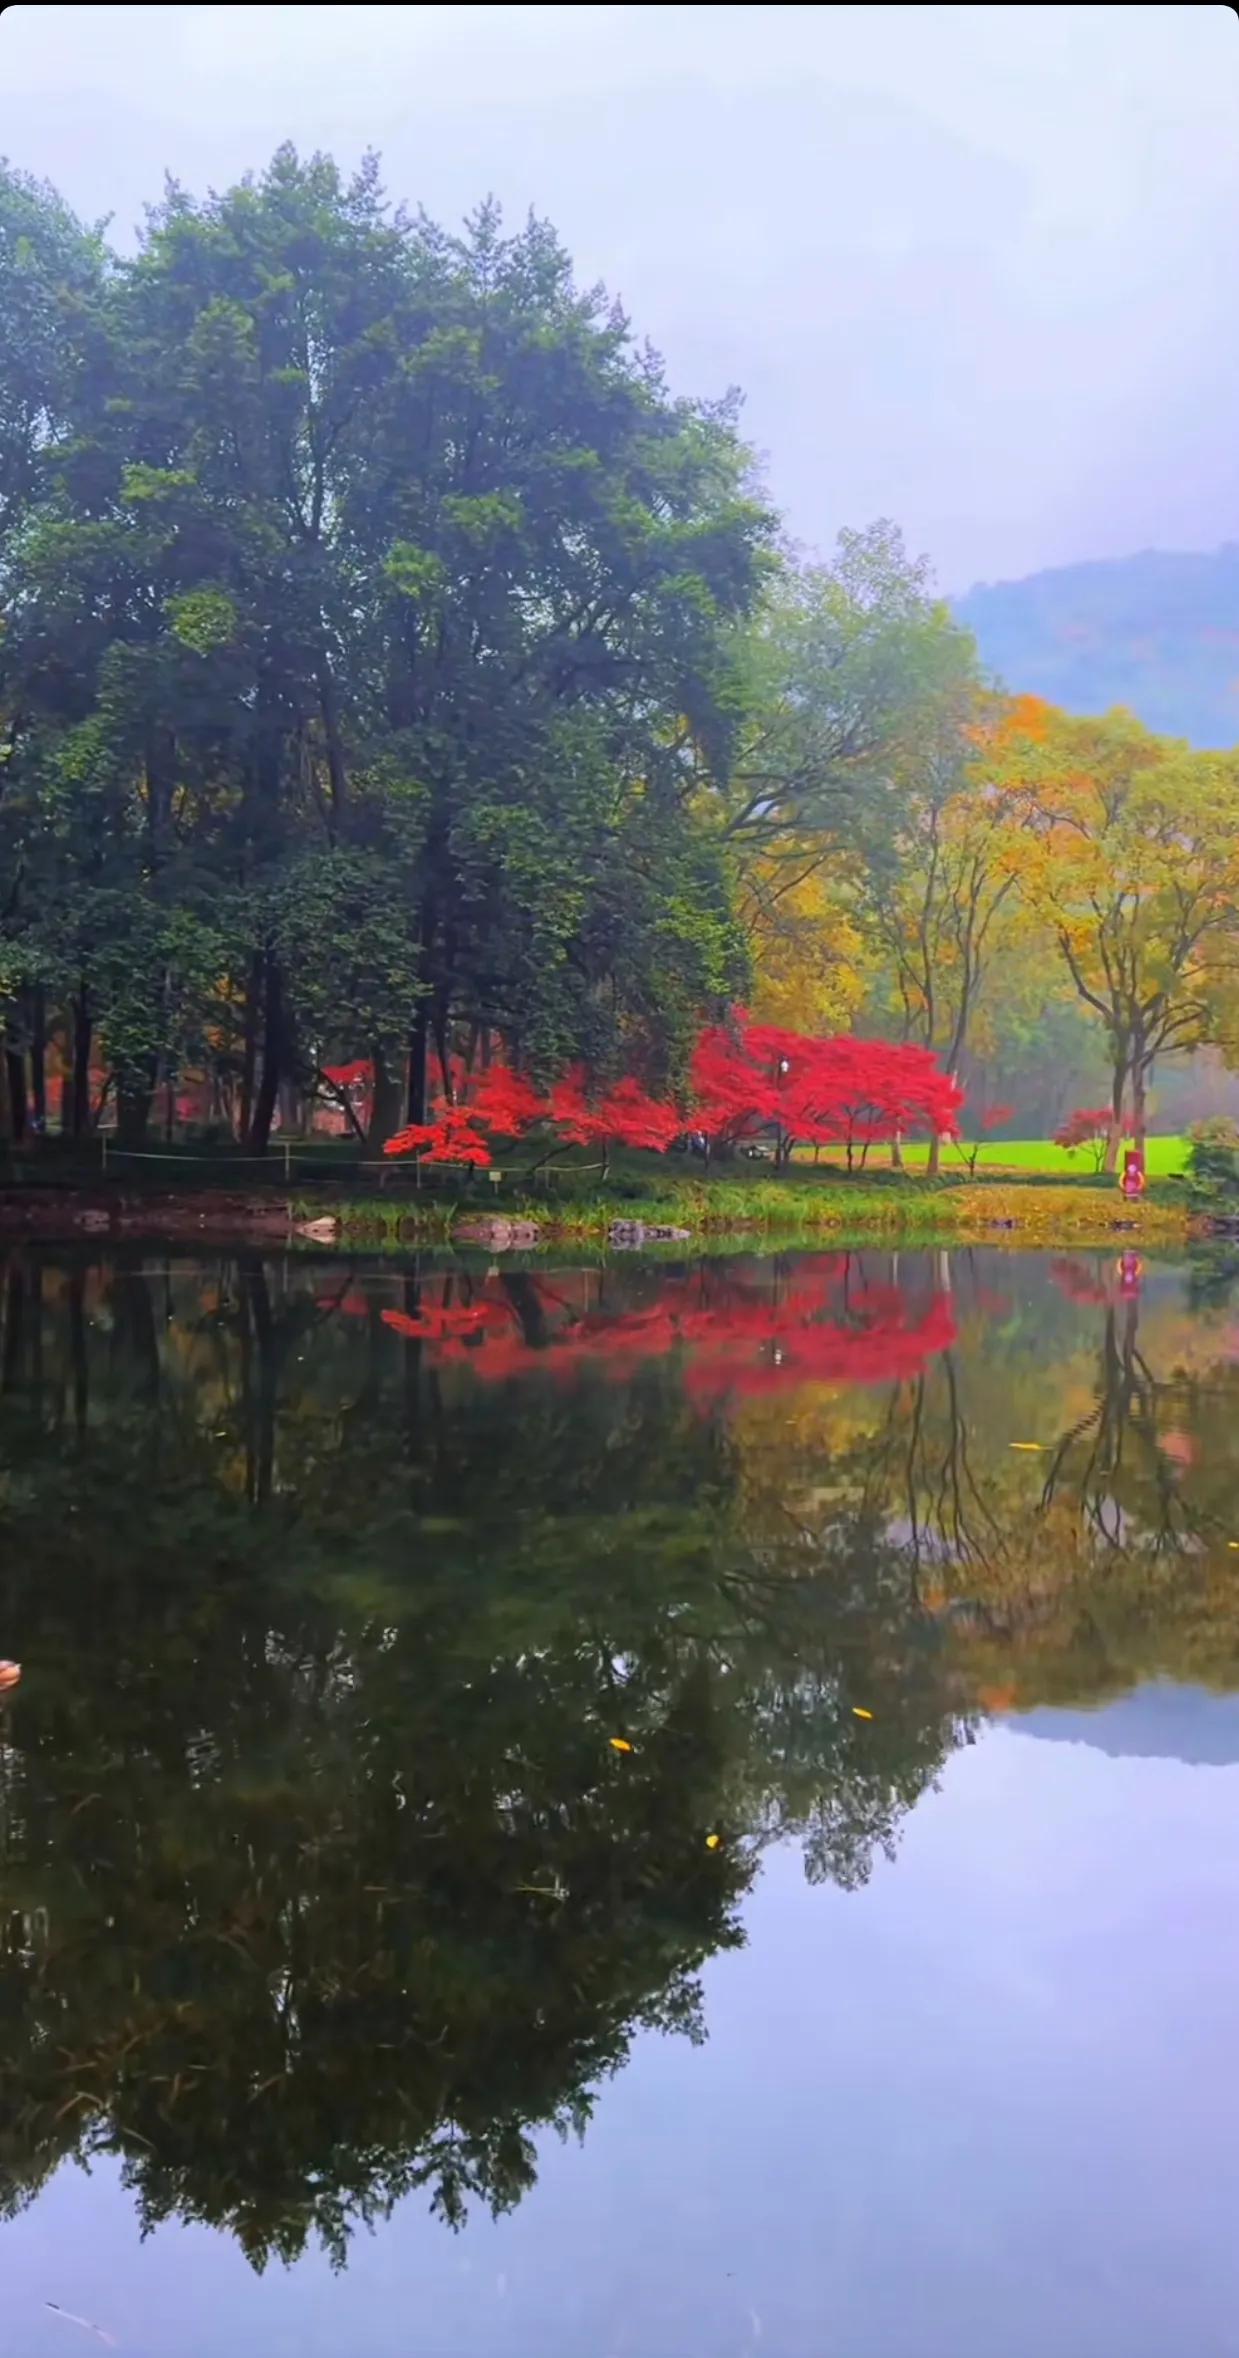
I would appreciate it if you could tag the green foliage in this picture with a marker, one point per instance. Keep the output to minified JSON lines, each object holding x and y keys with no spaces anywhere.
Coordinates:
{"x":360,"y":560}
{"x":1213,"y":1160}
{"x":834,"y":687}
{"x":203,"y":619}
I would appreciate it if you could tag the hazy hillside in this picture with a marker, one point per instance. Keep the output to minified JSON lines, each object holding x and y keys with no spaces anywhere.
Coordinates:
{"x":1158,"y":633}
{"x":1156,"y":1722}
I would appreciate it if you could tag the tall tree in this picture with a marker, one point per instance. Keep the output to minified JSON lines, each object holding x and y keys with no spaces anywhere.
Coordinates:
{"x":1136,"y":871}
{"x":850,"y":669}
{"x":834,"y":684}
{"x":378,"y":575}
{"x":52,"y":271}
{"x":937,"y":910}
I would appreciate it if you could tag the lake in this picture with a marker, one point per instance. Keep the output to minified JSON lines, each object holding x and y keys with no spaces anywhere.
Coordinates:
{"x":629,"y":1808}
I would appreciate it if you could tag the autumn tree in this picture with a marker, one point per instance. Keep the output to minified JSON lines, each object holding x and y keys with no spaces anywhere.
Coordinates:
{"x":1136,"y":872}
{"x":939,"y":906}
{"x":812,"y":963}
{"x":1089,"y":1125}
{"x":749,"y":1077}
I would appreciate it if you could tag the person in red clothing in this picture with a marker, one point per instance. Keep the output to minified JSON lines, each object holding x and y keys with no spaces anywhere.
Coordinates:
{"x":1132,"y":1182}
{"x":1131,"y":1276}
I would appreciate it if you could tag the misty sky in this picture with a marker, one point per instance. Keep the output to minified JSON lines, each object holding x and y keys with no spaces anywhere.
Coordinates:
{"x":972,"y":266}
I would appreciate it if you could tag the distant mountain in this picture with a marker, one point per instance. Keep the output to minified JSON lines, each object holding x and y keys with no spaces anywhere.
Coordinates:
{"x":1157,"y":633}
{"x":1157,"y":1722}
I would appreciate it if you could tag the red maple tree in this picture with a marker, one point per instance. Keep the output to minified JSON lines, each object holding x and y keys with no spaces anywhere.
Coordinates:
{"x":1089,"y":1125}
{"x":452,"y":1137}
{"x":745,"y":1079}
{"x":818,"y":1092}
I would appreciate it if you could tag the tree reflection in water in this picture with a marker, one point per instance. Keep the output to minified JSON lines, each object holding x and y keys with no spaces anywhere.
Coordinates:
{"x":322,"y":1878}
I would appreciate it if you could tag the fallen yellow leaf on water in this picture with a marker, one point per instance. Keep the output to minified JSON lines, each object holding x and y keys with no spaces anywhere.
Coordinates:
{"x":859,"y":1712}
{"x":714,"y":1842}
{"x":620,"y":1744}
{"x":1037,"y":1445}
{"x":1234,"y":1543}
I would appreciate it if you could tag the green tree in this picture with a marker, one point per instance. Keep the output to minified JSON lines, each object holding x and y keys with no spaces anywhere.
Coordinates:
{"x":850,"y":688}
{"x":52,"y":272}
{"x":376,"y":575}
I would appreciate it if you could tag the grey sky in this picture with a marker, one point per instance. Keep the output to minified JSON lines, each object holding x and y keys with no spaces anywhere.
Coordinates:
{"x":973,"y":266}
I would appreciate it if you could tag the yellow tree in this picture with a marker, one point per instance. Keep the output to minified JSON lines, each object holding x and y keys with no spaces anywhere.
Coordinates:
{"x":808,"y":951}
{"x":1136,"y":871}
{"x":942,"y":891}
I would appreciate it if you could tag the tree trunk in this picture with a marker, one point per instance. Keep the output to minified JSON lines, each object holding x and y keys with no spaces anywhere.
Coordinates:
{"x":83,"y":1029}
{"x":38,"y":1058}
{"x":522,"y":1292}
{"x":1115,"y":1137}
{"x":133,"y":1112}
{"x":1139,"y":1104}
{"x":274,"y":1056}
{"x":16,"y":1073}
{"x":13,"y":1353}
{"x":896,"y":1152}
{"x":439,"y":1026}
{"x":135,"y":1334}
{"x":337,"y":774}
{"x":78,"y":1358}
{"x":260,"y":1386}
{"x":416,"y":1093}
{"x":385,"y":1102}
{"x":249,"y":1066}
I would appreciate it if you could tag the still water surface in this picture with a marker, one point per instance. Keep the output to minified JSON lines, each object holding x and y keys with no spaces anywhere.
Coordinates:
{"x":666,"y":1810}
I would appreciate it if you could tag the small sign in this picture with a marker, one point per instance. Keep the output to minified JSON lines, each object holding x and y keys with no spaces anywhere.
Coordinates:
{"x":495,"y":1178}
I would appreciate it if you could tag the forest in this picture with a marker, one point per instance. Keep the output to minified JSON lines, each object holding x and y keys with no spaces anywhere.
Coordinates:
{"x":401,"y":686}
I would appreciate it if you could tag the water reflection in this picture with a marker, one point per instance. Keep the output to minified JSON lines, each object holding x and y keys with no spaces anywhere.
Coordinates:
{"x":323,"y":1877}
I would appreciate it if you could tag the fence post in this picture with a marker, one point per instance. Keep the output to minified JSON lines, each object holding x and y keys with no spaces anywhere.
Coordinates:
{"x":288,"y":1162}
{"x":103,"y":1152}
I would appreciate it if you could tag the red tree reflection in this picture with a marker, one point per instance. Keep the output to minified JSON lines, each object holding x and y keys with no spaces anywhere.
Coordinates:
{"x":739,"y":1331}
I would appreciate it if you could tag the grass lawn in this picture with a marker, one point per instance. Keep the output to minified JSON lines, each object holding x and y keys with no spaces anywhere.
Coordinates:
{"x":1165,"y":1158}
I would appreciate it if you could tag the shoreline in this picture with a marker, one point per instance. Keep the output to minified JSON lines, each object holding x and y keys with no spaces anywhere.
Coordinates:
{"x":980,"y":1212}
